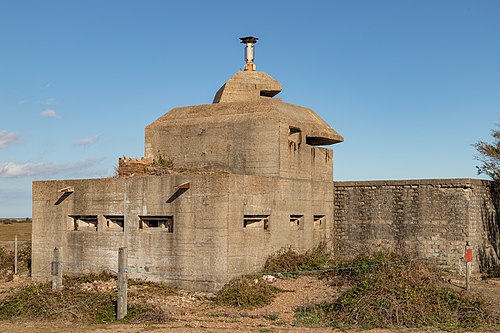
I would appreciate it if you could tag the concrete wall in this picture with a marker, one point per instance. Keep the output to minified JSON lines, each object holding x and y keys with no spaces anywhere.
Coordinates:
{"x":419,"y":217}
{"x":300,"y":160}
{"x":255,"y":138}
{"x":245,"y":146}
{"x":210,"y":242}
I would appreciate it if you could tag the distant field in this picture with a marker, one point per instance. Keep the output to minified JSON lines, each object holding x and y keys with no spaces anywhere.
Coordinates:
{"x":9,"y":229}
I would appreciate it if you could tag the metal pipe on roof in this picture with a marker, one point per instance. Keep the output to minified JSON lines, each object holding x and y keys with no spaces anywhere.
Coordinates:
{"x":249,"y":52}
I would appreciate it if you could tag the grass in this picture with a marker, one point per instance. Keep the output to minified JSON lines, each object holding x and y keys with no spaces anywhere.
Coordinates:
{"x":37,"y":301}
{"x":9,"y":228}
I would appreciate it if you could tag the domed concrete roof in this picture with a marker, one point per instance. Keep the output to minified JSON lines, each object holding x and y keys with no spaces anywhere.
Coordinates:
{"x":246,"y":85}
{"x":247,"y":97}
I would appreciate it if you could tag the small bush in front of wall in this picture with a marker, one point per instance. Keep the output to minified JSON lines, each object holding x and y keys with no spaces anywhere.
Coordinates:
{"x":289,"y":261}
{"x":251,"y":291}
{"x":247,"y":292}
{"x":408,"y":294}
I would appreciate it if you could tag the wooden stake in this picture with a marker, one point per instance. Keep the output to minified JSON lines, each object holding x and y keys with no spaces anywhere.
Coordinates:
{"x":15,"y":255}
{"x":121,"y":308}
{"x":468,"y":262}
{"x":467,"y":275}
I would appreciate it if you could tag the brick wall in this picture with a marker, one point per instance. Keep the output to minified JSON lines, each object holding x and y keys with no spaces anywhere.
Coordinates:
{"x":420,"y":218}
{"x":133,"y":166}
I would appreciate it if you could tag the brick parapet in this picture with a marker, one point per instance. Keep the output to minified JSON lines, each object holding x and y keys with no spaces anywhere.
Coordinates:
{"x":133,"y":166}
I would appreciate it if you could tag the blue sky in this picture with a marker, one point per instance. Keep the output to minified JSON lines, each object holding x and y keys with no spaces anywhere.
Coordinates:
{"x":410,"y":84}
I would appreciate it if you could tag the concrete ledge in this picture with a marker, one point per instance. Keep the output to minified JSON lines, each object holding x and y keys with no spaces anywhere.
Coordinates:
{"x":452,"y":181}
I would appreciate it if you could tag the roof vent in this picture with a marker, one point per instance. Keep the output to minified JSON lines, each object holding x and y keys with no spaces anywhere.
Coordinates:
{"x":249,"y":52}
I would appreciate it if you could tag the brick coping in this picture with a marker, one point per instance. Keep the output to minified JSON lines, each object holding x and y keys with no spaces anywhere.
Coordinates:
{"x":451,"y":181}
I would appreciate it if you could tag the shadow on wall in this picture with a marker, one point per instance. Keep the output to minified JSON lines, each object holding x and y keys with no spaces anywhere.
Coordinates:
{"x":489,"y":252}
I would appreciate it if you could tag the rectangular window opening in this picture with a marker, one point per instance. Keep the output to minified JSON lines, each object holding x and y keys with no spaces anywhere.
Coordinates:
{"x":84,"y":222}
{"x":115,"y":222}
{"x":297,"y":221}
{"x":157,"y":222}
{"x":256,"y":221}
{"x":294,"y":138}
{"x":319,"y":221}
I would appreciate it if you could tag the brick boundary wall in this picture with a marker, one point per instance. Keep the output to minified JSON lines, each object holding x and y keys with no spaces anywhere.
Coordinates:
{"x":420,"y":218}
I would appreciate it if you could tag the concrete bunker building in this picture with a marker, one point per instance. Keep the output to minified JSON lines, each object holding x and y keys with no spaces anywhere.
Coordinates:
{"x":220,"y":188}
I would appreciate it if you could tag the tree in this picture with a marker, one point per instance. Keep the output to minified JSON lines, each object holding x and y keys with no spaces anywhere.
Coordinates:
{"x":490,"y":156}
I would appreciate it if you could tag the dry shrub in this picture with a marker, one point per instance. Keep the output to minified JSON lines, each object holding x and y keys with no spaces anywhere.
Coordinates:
{"x":37,"y":301}
{"x":247,"y":292}
{"x":251,"y":291}
{"x":288,"y":261}
{"x":407,"y":294}
{"x":493,"y":272}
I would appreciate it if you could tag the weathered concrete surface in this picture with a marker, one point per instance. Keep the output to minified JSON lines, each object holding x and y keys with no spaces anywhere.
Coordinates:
{"x":247,"y":85}
{"x":254,"y":182}
{"x":421,"y":218}
{"x":261,"y":137}
{"x":210,"y":243}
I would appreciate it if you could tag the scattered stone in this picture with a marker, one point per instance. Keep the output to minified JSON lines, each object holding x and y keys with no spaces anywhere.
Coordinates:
{"x":270,"y":278}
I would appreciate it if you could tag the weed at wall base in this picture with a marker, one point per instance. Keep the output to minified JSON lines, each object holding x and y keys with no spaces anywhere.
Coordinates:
{"x":247,"y":292}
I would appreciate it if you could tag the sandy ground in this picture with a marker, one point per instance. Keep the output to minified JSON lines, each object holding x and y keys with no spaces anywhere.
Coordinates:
{"x":194,"y":312}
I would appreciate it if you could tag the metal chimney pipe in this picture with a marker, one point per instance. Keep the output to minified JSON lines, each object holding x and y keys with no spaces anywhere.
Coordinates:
{"x":249,"y":52}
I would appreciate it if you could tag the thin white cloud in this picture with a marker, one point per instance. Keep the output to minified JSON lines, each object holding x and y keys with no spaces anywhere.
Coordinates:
{"x":88,"y":141}
{"x":29,"y":169}
{"x":8,"y":138}
{"x":50,"y":113}
{"x":49,"y":101}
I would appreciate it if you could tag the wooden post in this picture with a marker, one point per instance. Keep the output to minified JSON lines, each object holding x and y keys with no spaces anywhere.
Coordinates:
{"x":57,"y":269}
{"x":467,"y":275}
{"x":468,"y":262}
{"x":15,"y":255}
{"x":121,"y":308}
